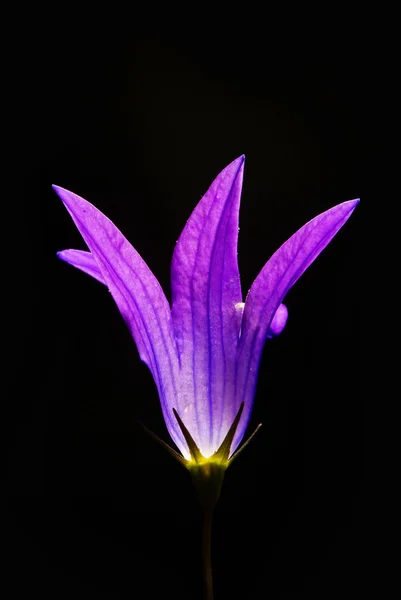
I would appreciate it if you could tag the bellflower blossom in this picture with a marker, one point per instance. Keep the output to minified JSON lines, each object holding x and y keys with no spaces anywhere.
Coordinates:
{"x":204,"y":351}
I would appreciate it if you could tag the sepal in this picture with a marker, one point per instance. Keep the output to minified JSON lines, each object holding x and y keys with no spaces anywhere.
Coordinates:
{"x":208,"y":473}
{"x":169,"y":449}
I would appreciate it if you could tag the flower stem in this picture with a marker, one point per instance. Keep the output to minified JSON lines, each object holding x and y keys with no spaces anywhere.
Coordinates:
{"x":206,"y":551}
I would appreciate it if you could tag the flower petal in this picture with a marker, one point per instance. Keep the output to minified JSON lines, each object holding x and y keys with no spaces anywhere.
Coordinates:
{"x":268,"y":290}
{"x":83,"y":261}
{"x":205,"y":289}
{"x":139,"y":297}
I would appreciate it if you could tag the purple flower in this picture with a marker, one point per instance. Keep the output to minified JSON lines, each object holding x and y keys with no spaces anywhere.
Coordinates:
{"x":204,"y":351}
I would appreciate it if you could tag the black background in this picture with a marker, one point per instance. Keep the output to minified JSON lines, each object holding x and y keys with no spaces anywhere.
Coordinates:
{"x":139,"y":123}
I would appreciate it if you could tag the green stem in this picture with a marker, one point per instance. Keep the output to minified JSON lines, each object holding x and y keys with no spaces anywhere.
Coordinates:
{"x":206,"y":551}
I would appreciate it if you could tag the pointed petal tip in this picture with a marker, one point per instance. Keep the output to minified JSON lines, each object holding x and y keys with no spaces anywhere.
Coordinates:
{"x":350,"y":203}
{"x":353,"y":202}
{"x":235,"y":166}
{"x":343,"y":209}
{"x":66,"y":196}
{"x":61,"y":192}
{"x":237,"y":162}
{"x":73,"y":202}
{"x":63,"y":255}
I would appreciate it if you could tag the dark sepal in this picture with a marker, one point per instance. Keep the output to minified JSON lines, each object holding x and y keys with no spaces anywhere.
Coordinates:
{"x":170,"y":450}
{"x":238,"y":452}
{"x":208,"y":473}
{"x":222,"y":454}
{"x":193,"y":448}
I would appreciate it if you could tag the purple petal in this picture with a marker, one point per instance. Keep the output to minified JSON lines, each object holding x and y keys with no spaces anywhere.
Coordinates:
{"x":269,"y":289}
{"x":83,"y":261}
{"x":205,"y":289}
{"x":139,"y":298}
